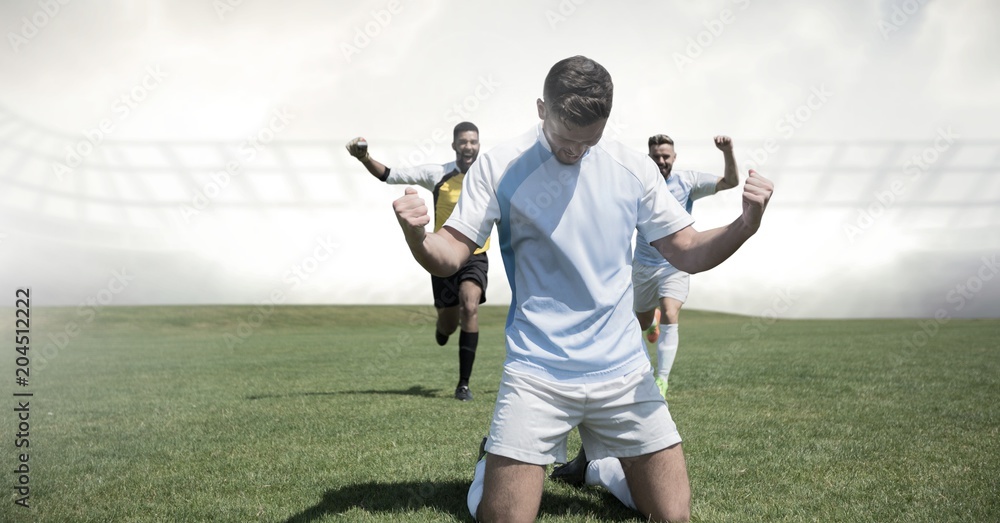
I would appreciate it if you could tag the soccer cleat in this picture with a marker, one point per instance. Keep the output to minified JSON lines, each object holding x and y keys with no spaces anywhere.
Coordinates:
{"x":662,"y":385}
{"x":482,"y":450}
{"x":572,"y":473}
{"x":653,"y":332}
{"x":441,"y":339}
{"x":463,"y":393}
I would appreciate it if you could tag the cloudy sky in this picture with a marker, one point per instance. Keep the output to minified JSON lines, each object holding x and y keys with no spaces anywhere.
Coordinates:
{"x":833,"y":101}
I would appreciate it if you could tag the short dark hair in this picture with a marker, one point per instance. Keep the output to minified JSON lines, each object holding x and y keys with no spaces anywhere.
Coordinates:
{"x":463,"y":127}
{"x":579,"y":91}
{"x":660,"y":139}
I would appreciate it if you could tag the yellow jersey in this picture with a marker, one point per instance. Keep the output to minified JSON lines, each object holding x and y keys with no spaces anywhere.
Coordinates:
{"x":444,"y":181}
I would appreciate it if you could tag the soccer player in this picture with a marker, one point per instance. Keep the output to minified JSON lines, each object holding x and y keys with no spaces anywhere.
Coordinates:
{"x":655,"y":281}
{"x":661,"y":289}
{"x":457,"y":296}
{"x":566,"y":204}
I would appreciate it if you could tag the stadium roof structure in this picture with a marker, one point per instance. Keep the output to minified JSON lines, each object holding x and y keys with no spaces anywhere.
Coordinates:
{"x":869,"y":209}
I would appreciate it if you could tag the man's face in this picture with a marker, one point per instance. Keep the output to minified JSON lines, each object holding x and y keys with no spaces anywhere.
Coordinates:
{"x":663,"y":155}
{"x":569,"y":144}
{"x":466,"y":147}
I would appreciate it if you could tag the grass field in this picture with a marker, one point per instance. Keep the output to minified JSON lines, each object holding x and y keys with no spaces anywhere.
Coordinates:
{"x":311,"y":414}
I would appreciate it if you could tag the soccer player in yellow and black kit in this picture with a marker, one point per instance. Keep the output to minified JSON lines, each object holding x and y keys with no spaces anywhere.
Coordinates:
{"x":456,"y":298}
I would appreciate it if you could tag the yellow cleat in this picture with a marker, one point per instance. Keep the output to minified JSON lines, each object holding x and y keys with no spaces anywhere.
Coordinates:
{"x":662,"y":385}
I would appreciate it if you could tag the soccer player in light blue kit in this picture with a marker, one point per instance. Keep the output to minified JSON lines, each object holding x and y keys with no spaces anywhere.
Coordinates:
{"x":566,"y":203}
{"x":655,"y":282}
{"x":660,"y":288}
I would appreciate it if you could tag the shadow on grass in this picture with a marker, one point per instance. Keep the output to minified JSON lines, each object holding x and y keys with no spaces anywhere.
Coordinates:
{"x":445,"y":497}
{"x":416,"y":390}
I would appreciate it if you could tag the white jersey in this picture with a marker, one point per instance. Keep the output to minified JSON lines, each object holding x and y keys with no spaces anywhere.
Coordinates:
{"x":565,"y":237}
{"x":686,"y":186}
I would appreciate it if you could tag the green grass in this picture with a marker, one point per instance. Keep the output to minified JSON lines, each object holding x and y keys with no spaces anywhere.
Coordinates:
{"x":345,"y":414}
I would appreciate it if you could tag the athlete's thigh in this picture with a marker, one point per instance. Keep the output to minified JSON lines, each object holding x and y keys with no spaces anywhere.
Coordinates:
{"x":671,"y":309}
{"x":469,"y":293}
{"x":659,"y":484}
{"x":448,"y":318}
{"x":512,"y":490}
{"x":645,"y":287}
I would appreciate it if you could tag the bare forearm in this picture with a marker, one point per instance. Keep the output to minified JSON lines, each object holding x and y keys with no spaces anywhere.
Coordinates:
{"x":436,"y":254}
{"x":731,"y":176}
{"x":700,"y":251}
{"x":441,"y":253}
{"x":693,"y":251}
{"x":358,"y":148}
{"x":376,"y":168}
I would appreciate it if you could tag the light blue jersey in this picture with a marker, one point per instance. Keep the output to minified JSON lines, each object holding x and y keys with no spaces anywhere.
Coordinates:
{"x":686,"y":186}
{"x":565,"y":237}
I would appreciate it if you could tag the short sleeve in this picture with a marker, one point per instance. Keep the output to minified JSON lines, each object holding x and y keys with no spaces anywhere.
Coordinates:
{"x":478,"y":208}
{"x":703,"y":184}
{"x":659,"y":212}
{"x":426,"y":176}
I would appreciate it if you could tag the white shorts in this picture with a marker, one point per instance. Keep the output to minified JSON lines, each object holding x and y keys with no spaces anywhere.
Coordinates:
{"x":649,"y":284}
{"x":623,"y":417}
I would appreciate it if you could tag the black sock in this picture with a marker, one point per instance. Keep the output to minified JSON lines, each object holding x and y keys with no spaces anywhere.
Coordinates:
{"x":467,"y":343}
{"x":440,"y":337}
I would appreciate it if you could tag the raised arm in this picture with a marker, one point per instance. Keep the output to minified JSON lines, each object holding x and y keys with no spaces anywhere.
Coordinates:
{"x":731,"y":176}
{"x":441,"y":253}
{"x":696,"y":251}
{"x":358,"y":148}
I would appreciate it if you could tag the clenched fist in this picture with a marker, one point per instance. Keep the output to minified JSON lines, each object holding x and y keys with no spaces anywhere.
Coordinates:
{"x":756,"y":193}
{"x":358,"y":148}
{"x":411,"y":212}
{"x":724,"y":143}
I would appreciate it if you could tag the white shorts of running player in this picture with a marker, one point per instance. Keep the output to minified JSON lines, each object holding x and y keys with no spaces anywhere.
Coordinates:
{"x":652,"y":283}
{"x":620,"y":417}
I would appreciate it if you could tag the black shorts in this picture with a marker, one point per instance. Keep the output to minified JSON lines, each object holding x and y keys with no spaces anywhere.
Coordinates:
{"x":446,"y":289}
